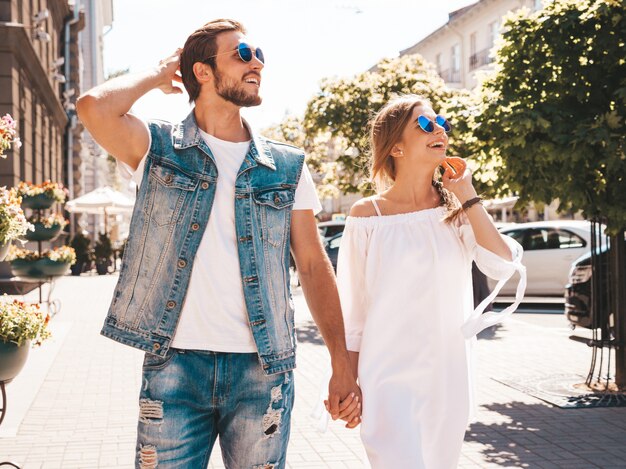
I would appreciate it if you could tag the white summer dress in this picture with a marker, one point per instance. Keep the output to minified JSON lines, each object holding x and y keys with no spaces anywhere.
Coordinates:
{"x":406,"y":292}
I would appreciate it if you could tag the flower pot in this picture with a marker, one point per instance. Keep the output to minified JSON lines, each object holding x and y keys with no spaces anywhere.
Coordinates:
{"x":42,"y":233}
{"x":4,"y":249}
{"x":40,"y":268}
{"x":54,"y":268}
{"x":37,"y":201}
{"x":12,"y":359}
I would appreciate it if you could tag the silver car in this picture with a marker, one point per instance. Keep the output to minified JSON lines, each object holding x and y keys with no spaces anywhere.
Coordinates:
{"x":550,"y":247}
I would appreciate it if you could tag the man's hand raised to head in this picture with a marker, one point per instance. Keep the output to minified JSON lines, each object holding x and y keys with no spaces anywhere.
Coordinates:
{"x":105,"y":109}
{"x":169,"y":71}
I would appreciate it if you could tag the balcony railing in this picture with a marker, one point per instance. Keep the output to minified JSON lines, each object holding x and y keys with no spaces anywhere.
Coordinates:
{"x":479,"y":59}
{"x":451,"y":76}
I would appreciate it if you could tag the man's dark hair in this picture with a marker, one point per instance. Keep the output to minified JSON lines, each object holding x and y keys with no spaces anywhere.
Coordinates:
{"x":200,"y":45}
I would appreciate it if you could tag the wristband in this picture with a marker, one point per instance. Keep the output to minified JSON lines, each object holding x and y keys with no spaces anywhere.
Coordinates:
{"x":471,"y":202}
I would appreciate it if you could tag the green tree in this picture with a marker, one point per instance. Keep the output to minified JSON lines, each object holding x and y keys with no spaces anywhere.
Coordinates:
{"x":552,"y":115}
{"x":343,"y":108}
{"x":318,"y":148}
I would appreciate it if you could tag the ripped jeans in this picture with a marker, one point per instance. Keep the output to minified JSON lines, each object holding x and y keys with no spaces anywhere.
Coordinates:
{"x":190,"y":397}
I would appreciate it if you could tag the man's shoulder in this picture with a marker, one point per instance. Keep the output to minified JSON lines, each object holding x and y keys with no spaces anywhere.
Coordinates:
{"x":162,"y":125}
{"x":283,"y":146}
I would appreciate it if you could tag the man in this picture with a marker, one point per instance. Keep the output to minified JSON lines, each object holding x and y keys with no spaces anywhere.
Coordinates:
{"x":204,"y":288}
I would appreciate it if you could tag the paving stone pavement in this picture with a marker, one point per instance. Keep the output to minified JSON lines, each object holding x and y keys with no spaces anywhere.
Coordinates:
{"x":84,"y":412}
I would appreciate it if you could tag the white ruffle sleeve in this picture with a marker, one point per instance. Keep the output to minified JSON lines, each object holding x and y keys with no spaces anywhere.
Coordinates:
{"x":497,"y":268}
{"x":351,"y":281}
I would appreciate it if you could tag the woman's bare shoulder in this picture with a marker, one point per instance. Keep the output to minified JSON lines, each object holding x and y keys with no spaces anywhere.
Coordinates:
{"x":363,"y":208}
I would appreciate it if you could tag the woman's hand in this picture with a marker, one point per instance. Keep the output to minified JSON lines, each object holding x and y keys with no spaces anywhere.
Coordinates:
{"x":169,"y":71}
{"x":457,"y":178}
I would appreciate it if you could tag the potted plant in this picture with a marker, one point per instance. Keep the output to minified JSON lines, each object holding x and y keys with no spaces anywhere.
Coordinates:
{"x":41,"y":196}
{"x":80,"y":243}
{"x":13,"y":223}
{"x":103,"y":253}
{"x":50,"y":263}
{"x":8,"y":134}
{"x":46,"y":228}
{"x":20,"y":325}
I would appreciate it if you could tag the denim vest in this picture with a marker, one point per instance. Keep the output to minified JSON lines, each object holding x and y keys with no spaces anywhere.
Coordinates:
{"x":171,"y":213}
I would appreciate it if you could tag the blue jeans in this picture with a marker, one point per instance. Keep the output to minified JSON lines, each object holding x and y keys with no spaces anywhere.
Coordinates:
{"x":190,"y":397}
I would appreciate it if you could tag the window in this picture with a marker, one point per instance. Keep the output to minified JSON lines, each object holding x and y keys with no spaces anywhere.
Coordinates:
{"x":439,"y":62}
{"x":517,"y":235}
{"x":494,"y":30}
{"x":473,"y":44}
{"x":567,"y":240}
{"x":455,"y":64}
{"x":547,"y":238}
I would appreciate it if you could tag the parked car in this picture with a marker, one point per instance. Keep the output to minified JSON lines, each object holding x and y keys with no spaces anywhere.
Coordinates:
{"x":332,"y":248}
{"x":328,"y":229}
{"x":578,"y":306}
{"x":550,"y":247}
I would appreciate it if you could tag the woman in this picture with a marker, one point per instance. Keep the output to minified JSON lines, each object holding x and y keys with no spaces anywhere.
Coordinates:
{"x":404,"y":276}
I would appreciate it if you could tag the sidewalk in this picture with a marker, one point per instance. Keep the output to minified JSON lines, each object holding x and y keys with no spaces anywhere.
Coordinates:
{"x":84,"y":413}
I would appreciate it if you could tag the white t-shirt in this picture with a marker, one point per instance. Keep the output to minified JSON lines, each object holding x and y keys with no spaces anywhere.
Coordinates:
{"x":214,"y":316}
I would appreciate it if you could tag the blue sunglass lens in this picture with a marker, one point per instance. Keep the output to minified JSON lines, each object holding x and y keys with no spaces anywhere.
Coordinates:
{"x":245,"y":52}
{"x":259,"y":55}
{"x":443,"y":122}
{"x":425,"y":124}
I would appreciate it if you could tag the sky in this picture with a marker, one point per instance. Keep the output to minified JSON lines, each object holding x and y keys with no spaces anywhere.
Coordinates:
{"x":303,"y":41}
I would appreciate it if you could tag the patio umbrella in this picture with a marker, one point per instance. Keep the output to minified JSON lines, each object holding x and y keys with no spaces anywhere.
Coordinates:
{"x":101,"y":201}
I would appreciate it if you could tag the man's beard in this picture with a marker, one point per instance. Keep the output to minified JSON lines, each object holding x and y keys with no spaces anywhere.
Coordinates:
{"x":234,"y":93}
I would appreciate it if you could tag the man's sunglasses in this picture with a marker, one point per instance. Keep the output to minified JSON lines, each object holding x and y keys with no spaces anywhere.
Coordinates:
{"x":428,"y":126}
{"x":245,"y":53}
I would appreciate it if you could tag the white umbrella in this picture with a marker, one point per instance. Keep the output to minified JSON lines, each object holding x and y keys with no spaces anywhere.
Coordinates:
{"x":101,"y":201}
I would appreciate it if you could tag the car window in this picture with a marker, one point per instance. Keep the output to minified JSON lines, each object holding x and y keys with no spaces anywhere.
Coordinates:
{"x":552,"y":238}
{"x":568,"y":240}
{"x":537,"y":239}
{"x":517,"y":235}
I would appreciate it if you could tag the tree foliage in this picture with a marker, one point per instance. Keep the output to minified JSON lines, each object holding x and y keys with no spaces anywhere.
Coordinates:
{"x":318,"y":148}
{"x":553,"y":111}
{"x":343,"y":108}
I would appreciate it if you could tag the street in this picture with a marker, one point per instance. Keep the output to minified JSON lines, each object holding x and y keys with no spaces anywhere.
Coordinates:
{"x":75,"y":403}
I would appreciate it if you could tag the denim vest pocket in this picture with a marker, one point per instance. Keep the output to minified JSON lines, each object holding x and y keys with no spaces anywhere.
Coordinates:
{"x":167,"y":190}
{"x":274,"y":209}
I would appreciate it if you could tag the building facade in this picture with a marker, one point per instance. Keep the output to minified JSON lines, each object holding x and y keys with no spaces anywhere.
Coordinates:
{"x":91,"y":168}
{"x":461,"y":48}
{"x":98,"y":21}
{"x":32,"y":78}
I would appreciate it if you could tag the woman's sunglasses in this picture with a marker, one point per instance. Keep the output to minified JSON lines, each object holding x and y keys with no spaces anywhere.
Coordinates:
{"x":428,"y":126}
{"x":245,"y":53}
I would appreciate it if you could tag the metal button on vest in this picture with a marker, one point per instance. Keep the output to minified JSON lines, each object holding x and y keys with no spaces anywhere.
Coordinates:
{"x":205,"y":185}
{"x":195,"y":227}
{"x":168,"y":179}
{"x":171,"y":304}
{"x":276,"y":199}
{"x":182,"y":263}
{"x":156,"y":346}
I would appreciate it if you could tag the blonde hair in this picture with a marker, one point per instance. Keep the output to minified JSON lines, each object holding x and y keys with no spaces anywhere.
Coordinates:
{"x":386,"y":130}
